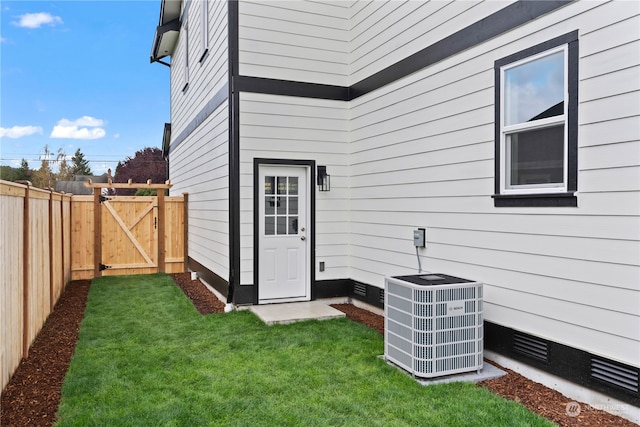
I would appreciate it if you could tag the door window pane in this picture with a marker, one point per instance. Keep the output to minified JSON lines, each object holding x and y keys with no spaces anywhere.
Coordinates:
{"x":293,"y":185}
{"x":269,"y":225}
{"x":282,"y":205}
{"x":534,"y":90}
{"x":281,"y":221}
{"x":269,"y":184}
{"x":293,"y":206}
{"x":269,"y":205}
{"x":536,"y":157}
{"x":293,"y":225}
{"x":282,"y":185}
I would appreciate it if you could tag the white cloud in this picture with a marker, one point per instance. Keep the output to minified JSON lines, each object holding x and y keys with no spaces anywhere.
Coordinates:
{"x":19,"y":131}
{"x":36,"y":20}
{"x":86,"y":127}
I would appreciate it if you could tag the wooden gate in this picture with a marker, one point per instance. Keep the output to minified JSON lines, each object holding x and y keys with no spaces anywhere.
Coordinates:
{"x":129,"y":234}
{"x":135,"y":235}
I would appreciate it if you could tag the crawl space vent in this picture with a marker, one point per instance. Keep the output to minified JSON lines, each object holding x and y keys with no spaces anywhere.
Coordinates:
{"x":530,"y":346}
{"x":614,"y":374}
{"x":360,"y":289}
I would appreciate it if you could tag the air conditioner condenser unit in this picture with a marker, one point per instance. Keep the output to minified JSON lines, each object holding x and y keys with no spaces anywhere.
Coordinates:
{"x":433,"y":324}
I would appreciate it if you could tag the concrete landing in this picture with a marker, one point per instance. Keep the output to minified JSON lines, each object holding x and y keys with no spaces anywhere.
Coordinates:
{"x":488,"y":372}
{"x":295,"y":312}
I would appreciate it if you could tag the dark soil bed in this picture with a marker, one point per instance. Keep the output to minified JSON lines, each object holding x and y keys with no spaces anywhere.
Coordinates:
{"x":32,"y":395}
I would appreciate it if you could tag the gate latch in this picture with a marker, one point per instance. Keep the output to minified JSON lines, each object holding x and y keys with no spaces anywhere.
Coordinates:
{"x":103,"y":267}
{"x":104,"y":198}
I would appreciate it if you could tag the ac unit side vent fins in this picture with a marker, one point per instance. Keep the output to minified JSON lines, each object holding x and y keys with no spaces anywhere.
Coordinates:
{"x":615,"y":374}
{"x":530,"y":346}
{"x":381,"y":297}
{"x":360,"y":289}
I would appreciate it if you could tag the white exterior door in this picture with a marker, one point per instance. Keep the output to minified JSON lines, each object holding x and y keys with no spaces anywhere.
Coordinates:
{"x":284,"y":266}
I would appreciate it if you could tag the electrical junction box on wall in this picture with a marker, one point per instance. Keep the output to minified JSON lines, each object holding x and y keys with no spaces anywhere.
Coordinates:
{"x":433,"y":324}
{"x":419,"y":238}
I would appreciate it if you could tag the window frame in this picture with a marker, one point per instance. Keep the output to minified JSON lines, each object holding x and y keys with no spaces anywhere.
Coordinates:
{"x":539,"y":194}
{"x":204,"y":20}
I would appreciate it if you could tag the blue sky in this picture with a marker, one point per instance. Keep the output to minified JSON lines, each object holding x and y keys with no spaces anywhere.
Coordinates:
{"x":76,"y":74}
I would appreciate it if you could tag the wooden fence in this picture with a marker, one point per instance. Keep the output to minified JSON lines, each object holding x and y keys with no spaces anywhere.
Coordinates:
{"x":35,"y":265}
{"x":48,"y":239}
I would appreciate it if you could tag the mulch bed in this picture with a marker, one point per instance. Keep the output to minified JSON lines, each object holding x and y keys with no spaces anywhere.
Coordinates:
{"x":32,"y":395}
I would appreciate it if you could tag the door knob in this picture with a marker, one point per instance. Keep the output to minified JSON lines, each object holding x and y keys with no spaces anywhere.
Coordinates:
{"x":303,"y":238}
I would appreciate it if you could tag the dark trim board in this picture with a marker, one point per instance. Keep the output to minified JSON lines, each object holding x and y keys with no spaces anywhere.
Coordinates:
{"x":566,"y":362}
{"x":234,"y":150}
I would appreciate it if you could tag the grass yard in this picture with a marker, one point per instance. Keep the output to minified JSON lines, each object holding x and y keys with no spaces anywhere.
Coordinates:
{"x":145,"y":357}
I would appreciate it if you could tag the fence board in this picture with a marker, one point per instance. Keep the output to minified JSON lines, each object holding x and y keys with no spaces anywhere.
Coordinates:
{"x":33,"y":272}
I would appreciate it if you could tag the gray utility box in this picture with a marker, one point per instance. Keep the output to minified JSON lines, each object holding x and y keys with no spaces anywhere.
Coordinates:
{"x":433,"y":324}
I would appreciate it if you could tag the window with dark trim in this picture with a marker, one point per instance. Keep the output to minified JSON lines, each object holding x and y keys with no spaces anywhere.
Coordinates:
{"x":205,"y":29}
{"x":536,"y":125}
{"x":185,"y":24}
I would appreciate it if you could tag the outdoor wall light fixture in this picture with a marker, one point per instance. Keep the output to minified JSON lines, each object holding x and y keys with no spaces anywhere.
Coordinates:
{"x":324,"y":179}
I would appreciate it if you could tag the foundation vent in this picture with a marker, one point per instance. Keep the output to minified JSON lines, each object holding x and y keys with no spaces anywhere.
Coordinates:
{"x":615,"y":374}
{"x":360,"y":289}
{"x":530,"y":346}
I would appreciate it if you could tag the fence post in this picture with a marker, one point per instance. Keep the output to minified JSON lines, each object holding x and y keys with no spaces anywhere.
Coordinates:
{"x":161,"y":228}
{"x":185,"y":238}
{"x":97,"y":232}
{"x":51,"y":272}
{"x":26,"y":262}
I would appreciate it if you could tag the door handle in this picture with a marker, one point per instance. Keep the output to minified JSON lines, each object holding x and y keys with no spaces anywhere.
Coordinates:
{"x":303,"y":238}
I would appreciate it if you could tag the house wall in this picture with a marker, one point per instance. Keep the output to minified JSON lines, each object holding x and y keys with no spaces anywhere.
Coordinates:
{"x":422,"y":155}
{"x":383,"y":33}
{"x":199,"y":150}
{"x":294,"y":40}
{"x":282,"y":127}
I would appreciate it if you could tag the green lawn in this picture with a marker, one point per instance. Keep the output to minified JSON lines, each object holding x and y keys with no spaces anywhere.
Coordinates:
{"x":147,"y":358}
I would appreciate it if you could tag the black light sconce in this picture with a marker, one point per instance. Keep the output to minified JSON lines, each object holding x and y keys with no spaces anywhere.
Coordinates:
{"x":324,"y":180}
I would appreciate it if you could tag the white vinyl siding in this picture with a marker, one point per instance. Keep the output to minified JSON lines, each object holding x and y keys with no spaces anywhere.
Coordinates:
{"x":281,"y":127}
{"x":294,"y":40}
{"x":383,"y":33}
{"x":199,"y":163}
{"x":206,"y":78}
{"x":421,"y":155}
{"x":200,"y":167}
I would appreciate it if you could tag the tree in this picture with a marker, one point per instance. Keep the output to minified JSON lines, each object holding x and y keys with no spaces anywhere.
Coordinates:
{"x":147,"y":163}
{"x":65,"y":172}
{"x":24,"y":171}
{"x":80,"y":165}
{"x":44,"y":177}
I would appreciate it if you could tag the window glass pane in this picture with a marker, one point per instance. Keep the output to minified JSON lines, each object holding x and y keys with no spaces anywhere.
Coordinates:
{"x":293,"y":185}
{"x":282,"y":206}
{"x":282,"y":224}
{"x":269,"y":186}
{"x":282,"y":185}
{"x":536,"y":157}
{"x":269,"y":225}
{"x":269,"y":205}
{"x":293,"y":225}
{"x":534,"y":90}
{"x":293,"y":206}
